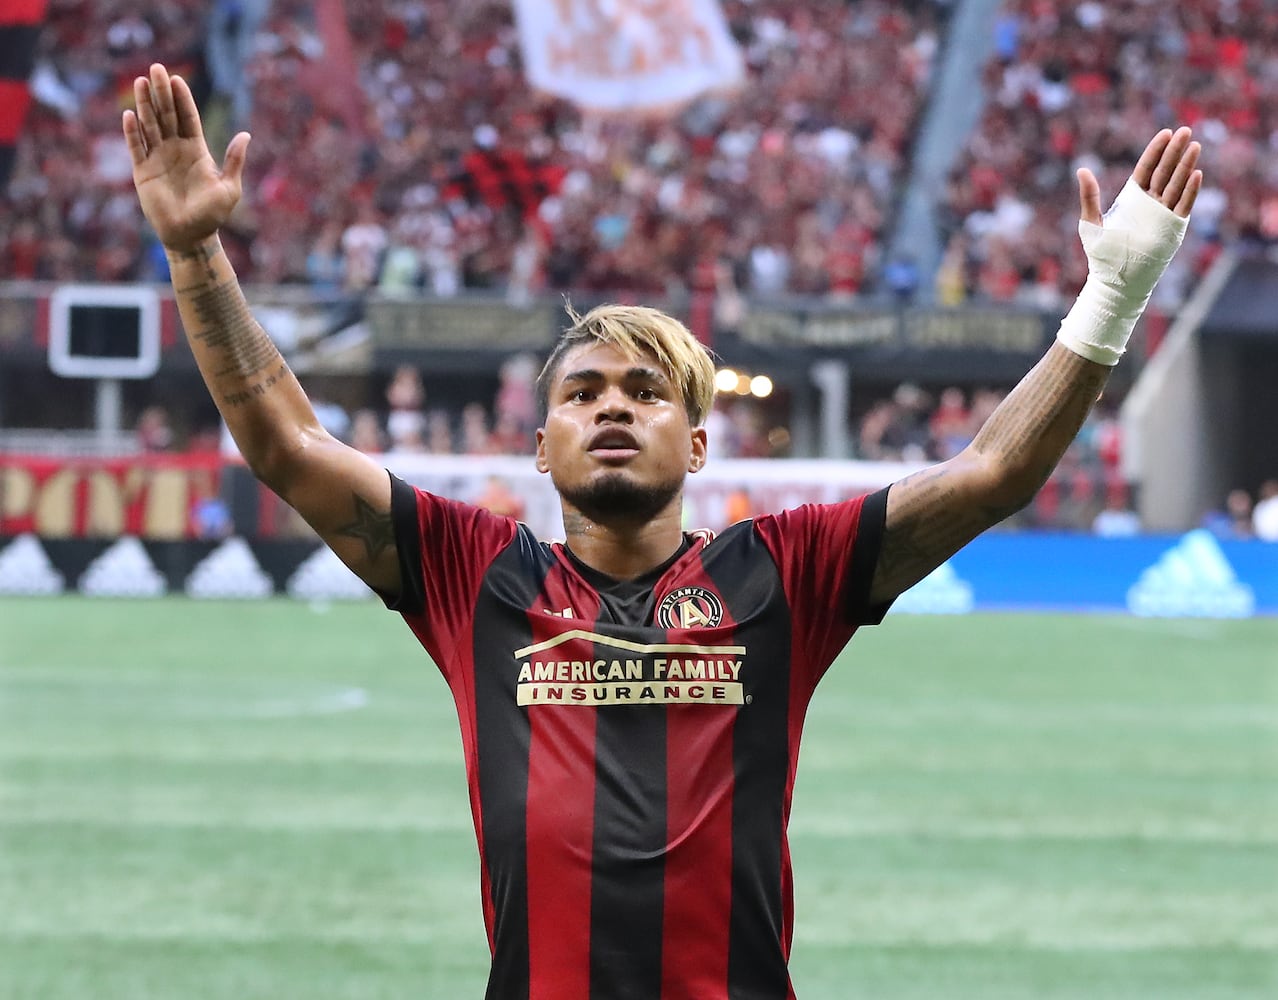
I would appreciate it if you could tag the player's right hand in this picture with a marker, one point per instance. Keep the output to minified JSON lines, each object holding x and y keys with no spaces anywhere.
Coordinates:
{"x":184,"y":195}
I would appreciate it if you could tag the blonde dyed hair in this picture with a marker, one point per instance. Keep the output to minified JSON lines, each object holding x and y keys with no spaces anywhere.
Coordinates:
{"x":636,"y":331}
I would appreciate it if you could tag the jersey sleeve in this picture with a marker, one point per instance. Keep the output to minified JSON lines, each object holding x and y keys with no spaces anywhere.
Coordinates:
{"x":444,"y":548}
{"x":826,"y":555}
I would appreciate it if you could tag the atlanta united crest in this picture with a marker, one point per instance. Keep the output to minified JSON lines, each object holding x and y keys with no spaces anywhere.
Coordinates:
{"x":690,"y":607}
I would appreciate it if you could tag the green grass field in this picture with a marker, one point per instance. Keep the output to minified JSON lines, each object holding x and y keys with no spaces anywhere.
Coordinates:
{"x":215,"y":800}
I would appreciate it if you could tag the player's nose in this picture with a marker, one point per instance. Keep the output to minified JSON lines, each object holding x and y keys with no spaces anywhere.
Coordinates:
{"x":614,"y":404}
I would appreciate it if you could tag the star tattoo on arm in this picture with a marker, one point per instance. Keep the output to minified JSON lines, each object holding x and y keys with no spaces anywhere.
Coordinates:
{"x":371,"y":527}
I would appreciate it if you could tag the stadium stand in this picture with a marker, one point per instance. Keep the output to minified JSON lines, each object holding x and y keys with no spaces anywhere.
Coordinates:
{"x":441,"y":170}
{"x":1098,"y":77}
{"x":399,"y":149}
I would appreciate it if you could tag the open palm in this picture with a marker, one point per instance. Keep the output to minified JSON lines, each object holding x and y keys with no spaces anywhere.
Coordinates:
{"x":184,"y":195}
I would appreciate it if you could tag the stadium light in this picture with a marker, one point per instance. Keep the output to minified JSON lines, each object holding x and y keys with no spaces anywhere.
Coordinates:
{"x":761,"y":386}
{"x":725,"y":380}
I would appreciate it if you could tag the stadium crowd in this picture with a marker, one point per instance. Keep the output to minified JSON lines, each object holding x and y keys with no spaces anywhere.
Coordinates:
{"x":1083,"y":83}
{"x":412,"y":155}
{"x":387,"y":155}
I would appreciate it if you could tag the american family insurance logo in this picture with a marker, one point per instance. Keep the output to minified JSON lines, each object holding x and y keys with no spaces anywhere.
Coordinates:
{"x":663,"y":673}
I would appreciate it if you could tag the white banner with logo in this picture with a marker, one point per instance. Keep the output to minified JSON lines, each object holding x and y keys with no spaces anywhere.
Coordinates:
{"x":627,"y":55}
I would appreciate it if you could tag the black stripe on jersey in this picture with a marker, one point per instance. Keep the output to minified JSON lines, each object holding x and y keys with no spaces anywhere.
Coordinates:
{"x":627,"y":892}
{"x":741,"y":568}
{"x":17,"y":50}
{"x":411,"y":599}
{"x":865,"y":560}
{"x":502,"y":739}
{"x":627,"y":889}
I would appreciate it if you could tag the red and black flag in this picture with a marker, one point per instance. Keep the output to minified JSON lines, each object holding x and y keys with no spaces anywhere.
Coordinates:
{"x":505,"y":178}
{"x":20,"y":22}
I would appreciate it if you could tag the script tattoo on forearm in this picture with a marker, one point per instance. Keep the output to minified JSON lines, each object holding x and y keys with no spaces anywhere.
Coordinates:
{"x":372,"y":527}
{"x":934,"y":512}
{"x":228,"y":328}
{"x":203,"y":255}
{"x":1042,"y":415}
{"x":932,"y":524}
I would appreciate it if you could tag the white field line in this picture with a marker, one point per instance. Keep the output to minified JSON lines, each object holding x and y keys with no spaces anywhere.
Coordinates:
{"x":1102,"y":936}
{"x":152,"y":691}
{"x":222,"y":753}
{"x":809,"y":934}
{"x":347,"y":700}
{"x":1201,"y":629}
{"x":1018,"y":716}
{"x":365,"y":818}
{"x":1169,"y":830}
{"x":827,"y":762}
{"x":368,"y":817}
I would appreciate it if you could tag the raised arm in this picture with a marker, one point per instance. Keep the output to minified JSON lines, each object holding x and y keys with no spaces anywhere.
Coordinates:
{"x":934,"y":513}
{"x":342,"y":494}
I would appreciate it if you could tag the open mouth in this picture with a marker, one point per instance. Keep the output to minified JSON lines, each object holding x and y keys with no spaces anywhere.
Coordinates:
{"x":615,"y":444}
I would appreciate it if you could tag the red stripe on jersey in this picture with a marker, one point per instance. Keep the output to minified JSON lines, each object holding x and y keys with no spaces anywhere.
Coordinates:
{"x":15,"y":99}
{"x":457,"y":546}
{"x":698,"y":896}
{"x":23,"y":11}
{"x":560,"y":816}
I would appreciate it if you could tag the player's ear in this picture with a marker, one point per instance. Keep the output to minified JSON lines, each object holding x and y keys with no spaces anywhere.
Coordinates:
{"x":542,"y":464}
{"x":697,"y":460}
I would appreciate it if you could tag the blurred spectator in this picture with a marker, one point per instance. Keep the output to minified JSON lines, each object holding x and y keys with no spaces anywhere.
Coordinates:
{"x":1234,"y":521}
{"x":1117,"y":520}
{"x":363,"y":245}
{"x":950,"y":427}
{"x":499,"y":499}
{"x":406,"y":424}
{"x":516,"y":402}
{"x":439,"y":433}
{"x":871,"y":443}
{"x":475,"y":436}
{"x":1264,"y":519}
{"x":509,"y":438}
{"x":366,"y":433}
{"x":906,"y":434}
{"x":332,"y":417}
{"x":738,"y":506}
{"x":210,"y":516}
{"x":154,"y":431}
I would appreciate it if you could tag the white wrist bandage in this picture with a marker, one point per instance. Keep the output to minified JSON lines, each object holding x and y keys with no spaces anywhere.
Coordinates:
{"x":1125,"y":259}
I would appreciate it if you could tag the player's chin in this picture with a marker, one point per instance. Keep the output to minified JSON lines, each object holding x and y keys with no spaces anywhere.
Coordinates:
{"x":622,"y":493}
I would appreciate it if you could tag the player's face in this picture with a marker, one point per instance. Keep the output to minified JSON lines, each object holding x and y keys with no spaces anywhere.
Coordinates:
{"x":617,"y":441}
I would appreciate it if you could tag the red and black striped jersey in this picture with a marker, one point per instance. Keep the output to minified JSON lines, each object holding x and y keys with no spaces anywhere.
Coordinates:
{"x":631,"y":745}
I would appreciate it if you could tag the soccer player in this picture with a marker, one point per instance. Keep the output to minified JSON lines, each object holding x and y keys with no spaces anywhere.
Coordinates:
{"x":631,"y":700}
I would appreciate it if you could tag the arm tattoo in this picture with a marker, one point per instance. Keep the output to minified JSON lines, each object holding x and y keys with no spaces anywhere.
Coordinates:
{"x":1042,"y":415}
{"x":229,"y":327}
{"x":371,"y":527}
{"x":934,"y":513}
{"x":203,"y":254}
{"x":930,"y":524}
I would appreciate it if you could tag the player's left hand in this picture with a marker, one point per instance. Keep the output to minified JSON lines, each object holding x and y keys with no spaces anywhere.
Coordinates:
{"x":1167,"y":171}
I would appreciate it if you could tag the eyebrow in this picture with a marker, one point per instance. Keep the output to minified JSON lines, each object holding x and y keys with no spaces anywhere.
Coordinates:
{"x":633,"y":374}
